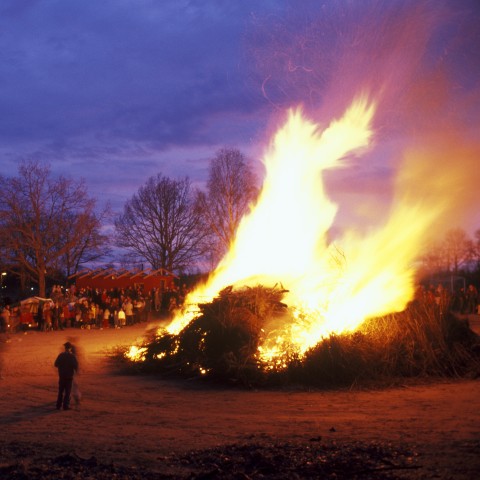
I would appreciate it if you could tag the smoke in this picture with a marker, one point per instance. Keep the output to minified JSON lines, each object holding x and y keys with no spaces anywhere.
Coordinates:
{"x":418,"y":60}
{"x":442,"y":173}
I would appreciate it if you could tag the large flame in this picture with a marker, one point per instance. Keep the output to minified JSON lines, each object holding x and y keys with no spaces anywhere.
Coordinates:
{"x":332,"y":288}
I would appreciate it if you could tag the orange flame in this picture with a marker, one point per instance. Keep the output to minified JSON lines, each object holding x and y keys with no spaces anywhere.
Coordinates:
{"x":284,"y":237}
{"x":332,"y":288}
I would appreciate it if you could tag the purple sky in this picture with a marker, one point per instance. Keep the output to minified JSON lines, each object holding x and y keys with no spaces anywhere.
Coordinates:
{"x":116,"y":91}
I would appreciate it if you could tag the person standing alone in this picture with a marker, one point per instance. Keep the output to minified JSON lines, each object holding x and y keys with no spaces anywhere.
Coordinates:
{"x":67,"y":366}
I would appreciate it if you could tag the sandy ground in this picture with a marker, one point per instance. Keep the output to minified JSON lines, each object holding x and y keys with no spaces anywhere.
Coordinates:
{"x":137,"y":420}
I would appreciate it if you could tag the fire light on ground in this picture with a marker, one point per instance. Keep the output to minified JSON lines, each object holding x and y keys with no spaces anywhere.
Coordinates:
{"x":332,"y":287}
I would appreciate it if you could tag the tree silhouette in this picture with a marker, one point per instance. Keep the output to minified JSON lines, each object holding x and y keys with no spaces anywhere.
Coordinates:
{"x":231,"y":189}
{"x":159,"y":224}
{"x":44,"y":219}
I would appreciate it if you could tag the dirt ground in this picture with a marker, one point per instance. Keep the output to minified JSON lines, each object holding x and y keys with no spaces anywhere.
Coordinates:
{"x":138,"y":421}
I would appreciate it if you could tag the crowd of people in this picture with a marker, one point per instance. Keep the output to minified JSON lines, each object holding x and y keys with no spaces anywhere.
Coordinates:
{"x":117,"y":308}
{"x":463,"y":300}
{"x":466,"y":300}
{"x":95,"y":308}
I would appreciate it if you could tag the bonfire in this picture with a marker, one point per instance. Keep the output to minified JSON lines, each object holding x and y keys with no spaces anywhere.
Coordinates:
{"x":286,"y":299}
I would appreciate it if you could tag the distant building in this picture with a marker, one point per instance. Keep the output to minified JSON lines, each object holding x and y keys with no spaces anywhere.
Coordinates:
{"x":108,"y":278}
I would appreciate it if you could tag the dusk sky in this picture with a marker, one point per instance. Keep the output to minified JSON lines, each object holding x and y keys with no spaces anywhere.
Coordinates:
{"x":115,"y":91}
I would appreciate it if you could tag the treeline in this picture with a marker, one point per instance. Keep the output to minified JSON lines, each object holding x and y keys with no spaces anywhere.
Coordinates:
{"x":455,"y":259}
{"x":50,"y":227}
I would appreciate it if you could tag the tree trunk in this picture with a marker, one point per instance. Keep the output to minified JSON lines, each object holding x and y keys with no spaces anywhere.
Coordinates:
{"x":42,"y":289}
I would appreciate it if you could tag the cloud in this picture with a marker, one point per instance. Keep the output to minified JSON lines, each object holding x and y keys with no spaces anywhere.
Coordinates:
{"x":118,"y":90}
{"x":143,"y":70}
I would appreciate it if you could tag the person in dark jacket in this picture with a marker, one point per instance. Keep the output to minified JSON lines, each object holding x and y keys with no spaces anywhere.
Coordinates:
{"x":67,"y":366}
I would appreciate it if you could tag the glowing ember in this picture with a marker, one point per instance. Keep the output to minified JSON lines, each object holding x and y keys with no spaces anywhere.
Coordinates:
{"x":332,"y":288}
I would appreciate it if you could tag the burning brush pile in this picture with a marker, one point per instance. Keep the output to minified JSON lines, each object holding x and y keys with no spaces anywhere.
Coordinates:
{"x":224,"y":343}
{"x":347,"y":312}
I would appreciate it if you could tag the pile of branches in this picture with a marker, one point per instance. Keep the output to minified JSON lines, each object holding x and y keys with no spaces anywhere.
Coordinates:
{"x":222,"y":344}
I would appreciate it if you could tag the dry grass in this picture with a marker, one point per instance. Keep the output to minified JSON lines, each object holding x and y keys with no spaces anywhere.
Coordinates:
{"x":421,"y":342}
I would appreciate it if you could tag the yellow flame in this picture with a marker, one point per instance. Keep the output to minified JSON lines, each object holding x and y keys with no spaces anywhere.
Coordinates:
{"x":332,"y":288}
{"x":136,"y":354}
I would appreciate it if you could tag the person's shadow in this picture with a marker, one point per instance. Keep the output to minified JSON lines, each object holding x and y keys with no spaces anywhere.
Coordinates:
{"x":31,"y":413}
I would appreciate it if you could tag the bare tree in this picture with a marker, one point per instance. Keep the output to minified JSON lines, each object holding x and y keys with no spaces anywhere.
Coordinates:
{"x":159,"y":225}
{"x":431,"y":263}
{"x":450,"y":255}
{"x":91,"y":247}
{"x":476,"y":250}
{"x":457,"y":250}
{"x":44,"y":219}
{"x":231,"y":189}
